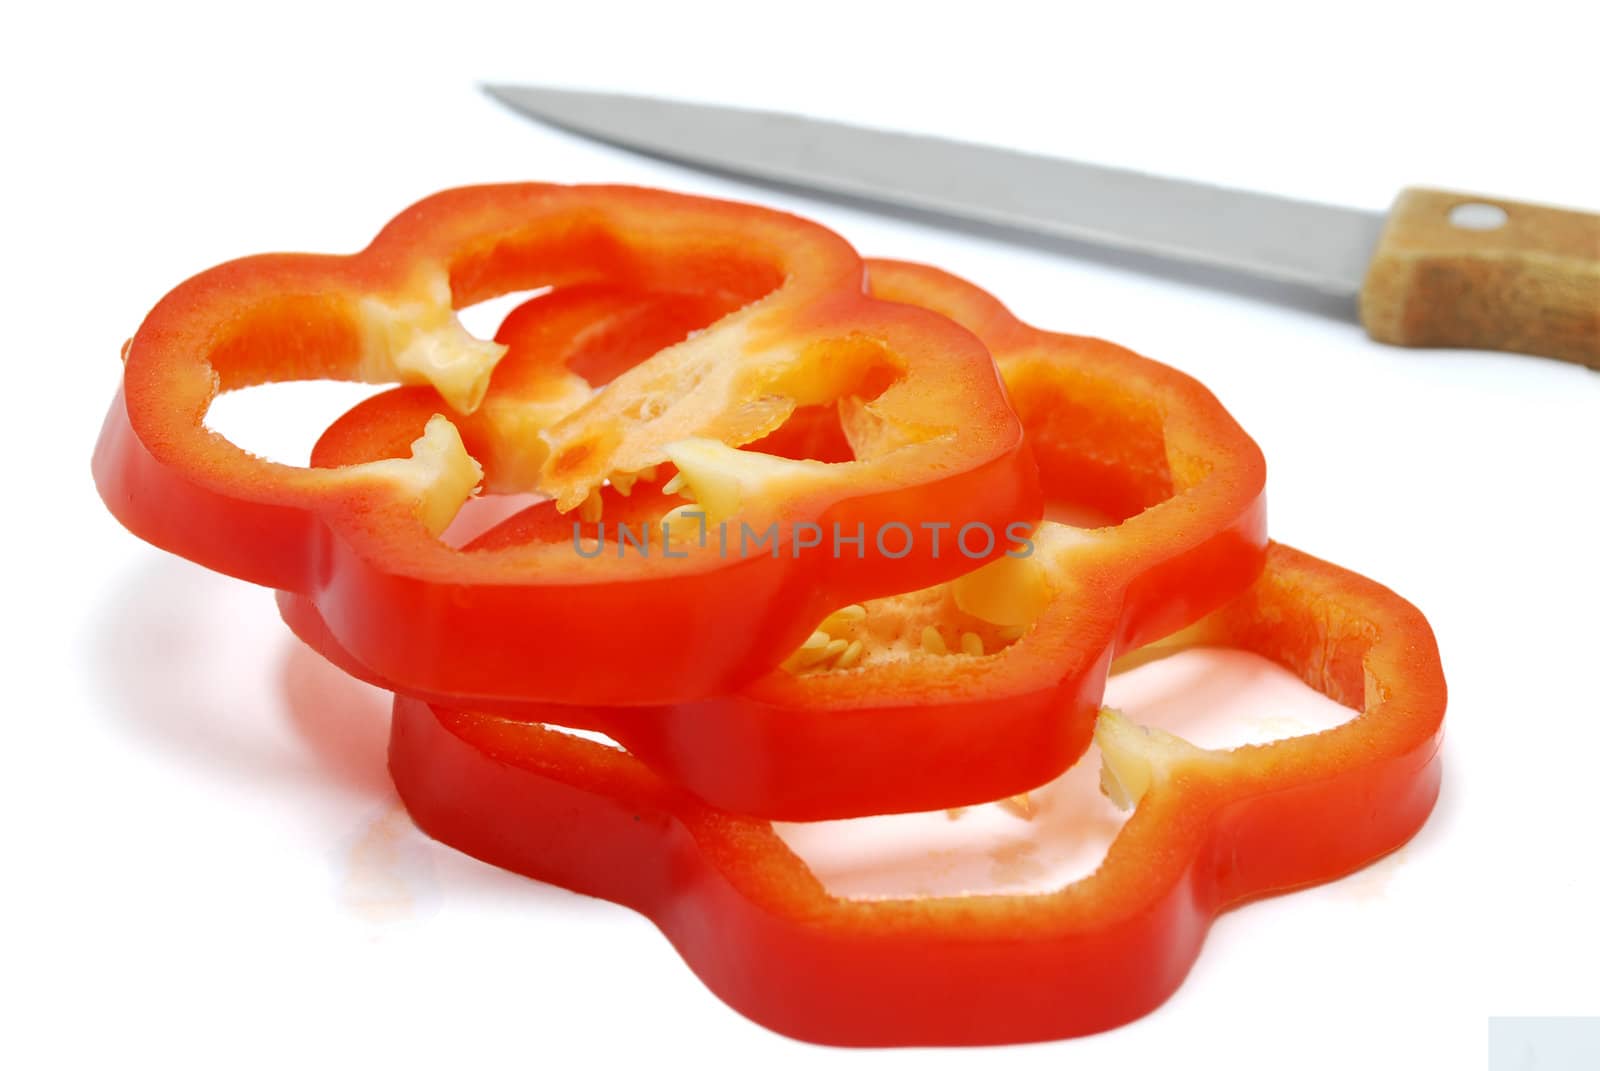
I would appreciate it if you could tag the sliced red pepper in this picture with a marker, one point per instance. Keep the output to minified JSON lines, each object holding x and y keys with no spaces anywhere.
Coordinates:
{"x":933,"y":437}
{"x":983,"y":687}
{"x":1210,"y":829}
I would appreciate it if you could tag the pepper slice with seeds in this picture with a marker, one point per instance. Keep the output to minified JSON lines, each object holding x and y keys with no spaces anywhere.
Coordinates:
{"x":1209,"y":830}
{"x":789,"y":326}
{"x":959,"y":693}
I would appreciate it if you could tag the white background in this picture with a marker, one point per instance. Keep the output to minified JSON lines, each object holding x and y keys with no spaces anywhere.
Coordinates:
{"x":205,"y":863}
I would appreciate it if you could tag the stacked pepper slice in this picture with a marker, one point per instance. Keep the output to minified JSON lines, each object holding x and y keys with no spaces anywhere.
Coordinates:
{"x":1208,"y":830}
{"x":695,"y":368}
{"x":934,"y":439}
{"x":969,"y":691}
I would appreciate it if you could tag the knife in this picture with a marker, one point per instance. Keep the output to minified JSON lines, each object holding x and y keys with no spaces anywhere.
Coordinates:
{"x":1439,"y":269}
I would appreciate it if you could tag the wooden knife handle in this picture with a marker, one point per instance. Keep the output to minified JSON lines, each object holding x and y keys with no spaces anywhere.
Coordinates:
{"x":1454,"y":269}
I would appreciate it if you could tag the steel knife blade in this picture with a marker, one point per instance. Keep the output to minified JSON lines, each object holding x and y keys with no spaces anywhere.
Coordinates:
{"x":1439,"y":269}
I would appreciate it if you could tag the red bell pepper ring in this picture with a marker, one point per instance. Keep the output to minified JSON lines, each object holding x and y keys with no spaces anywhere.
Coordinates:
{"x":973,"y":691}
{"x":1210,"y":829}
{"x":934,"y":437}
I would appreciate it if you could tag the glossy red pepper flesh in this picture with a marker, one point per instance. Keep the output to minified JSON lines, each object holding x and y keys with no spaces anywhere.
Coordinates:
{"x":1210,"y":830}
{"x":907,"y":728}
{"x":932,"y":434}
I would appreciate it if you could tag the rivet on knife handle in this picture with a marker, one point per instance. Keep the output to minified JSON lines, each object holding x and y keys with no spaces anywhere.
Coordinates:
{"x":1459,"y":270}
